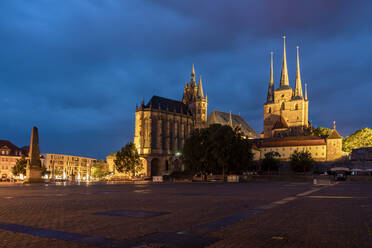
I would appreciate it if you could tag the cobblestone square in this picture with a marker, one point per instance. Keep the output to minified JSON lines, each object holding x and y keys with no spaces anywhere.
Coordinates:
{"x":265,"y":214}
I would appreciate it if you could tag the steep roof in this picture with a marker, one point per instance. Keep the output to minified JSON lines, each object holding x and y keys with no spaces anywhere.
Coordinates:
{"x":219,"y":117}
{"x":8,"y":144}
{"x":334,"y":135}
{"x":170,"y":105}
{"x":280,"y":124}
{"x":14,"y":150}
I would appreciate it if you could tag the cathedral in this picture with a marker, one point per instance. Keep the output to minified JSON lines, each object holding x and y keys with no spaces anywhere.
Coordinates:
{"x":286,"y":126}
{"x":162,"y":126}
{"x":286,"y":110}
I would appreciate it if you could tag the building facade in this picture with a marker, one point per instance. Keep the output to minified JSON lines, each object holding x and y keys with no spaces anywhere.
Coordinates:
{"x":322,"y":149}
{"x":162,"y":126}
{"x":67,"y":167}
{"x":9,"y":154}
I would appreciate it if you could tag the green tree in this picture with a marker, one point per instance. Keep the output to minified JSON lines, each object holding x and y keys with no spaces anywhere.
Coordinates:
{"x":194,"y":152}
{"x":361,"y":138}
{"x":44,"y":170}
{"x":321,"y":131}
{"x":220,"y":147}
{"x":127,"y":160}
{"x":100,"y":169}
{"x":20,"y":166}
{"x":271,"y":161}
{"x":217,"y":149}
{"x":241,"y":155}
{"x":301,"y":161}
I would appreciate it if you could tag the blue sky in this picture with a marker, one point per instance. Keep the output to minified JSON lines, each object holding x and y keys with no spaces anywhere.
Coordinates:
{"x":76,"y":69}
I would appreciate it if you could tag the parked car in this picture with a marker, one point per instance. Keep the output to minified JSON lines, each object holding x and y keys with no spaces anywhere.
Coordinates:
{"x":340,"y":176}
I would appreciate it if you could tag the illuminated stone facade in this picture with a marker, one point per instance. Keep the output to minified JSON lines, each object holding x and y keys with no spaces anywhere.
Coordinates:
{"x":286,"y":127}
{"x":68,"y":167}
{"x":321,"y":149}
{"x":162,"y":126}
{"x":9,"y":154}
{"x":285,"y":108}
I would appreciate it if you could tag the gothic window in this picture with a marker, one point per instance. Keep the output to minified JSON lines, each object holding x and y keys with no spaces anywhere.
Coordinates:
{"x":283,"y":107}
{"x":166,"y":165}
{"x":296,"y":106}
{"x":269,"y":110}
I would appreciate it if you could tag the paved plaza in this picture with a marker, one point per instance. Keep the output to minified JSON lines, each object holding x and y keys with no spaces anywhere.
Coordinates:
{"x":267,"y":214}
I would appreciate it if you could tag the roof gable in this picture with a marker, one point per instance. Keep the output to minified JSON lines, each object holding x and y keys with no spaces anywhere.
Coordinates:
{"x":219,"y":117}
{"x":334,"y":135}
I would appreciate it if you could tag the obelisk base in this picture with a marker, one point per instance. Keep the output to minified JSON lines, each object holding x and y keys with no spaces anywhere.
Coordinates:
{"x":34,"y":175}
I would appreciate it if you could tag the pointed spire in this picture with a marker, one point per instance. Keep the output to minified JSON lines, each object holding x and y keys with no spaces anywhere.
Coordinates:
{"x":143,"y":102}
{"x":284,"y":81}
{"x":334,"y":125}
{"x":298,"y":87}
{"x":271,"y":69}
{"x":305,"y":91}
{"x":230,"y":120}
{"x":270,"y":91}
{"x":193,"y":73}
{"x":200,"y":88}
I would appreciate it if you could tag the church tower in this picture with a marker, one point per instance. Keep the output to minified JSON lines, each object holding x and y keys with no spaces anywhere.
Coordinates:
{"x":285,"y":107}
{"x":193,"y":97}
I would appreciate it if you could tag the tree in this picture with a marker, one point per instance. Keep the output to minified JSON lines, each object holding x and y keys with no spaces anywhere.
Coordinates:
{"x":127,"y":160}
{"x":100,"y":169}
{"x":270,"y":162}
{"x":20,"y":166}
{"x":241,"y":154}
{"x":301,"y":161}
{"x":194,"y":152}
{"x":361,"y":138}
{"x":321,"y":131}
{"x":217,"y":149}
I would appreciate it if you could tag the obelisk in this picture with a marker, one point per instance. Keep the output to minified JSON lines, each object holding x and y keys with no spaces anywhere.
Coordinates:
{"x":33,"y":169}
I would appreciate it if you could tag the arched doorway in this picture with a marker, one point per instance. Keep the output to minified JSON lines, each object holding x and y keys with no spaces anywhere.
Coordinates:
{"x":155,"y":167}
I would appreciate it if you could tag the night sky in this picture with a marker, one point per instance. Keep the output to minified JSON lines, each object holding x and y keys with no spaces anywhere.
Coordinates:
{"x":77,"y":69}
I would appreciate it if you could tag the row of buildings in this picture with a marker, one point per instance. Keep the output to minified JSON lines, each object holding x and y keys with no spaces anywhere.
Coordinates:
{"x":60,"y":166}
{"x":162,"y":125}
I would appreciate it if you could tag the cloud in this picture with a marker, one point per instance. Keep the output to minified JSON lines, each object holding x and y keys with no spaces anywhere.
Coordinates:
{"x":77,"y":68}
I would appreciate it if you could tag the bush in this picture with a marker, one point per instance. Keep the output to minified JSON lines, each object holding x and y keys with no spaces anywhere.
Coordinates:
{"x":270,"y":162}
{"x":301,"y":161}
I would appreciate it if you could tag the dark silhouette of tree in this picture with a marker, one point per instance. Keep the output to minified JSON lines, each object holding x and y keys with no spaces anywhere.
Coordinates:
{"x":301,"y":161}
{"x":271,"y":161}
{"x":217,"y":149}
